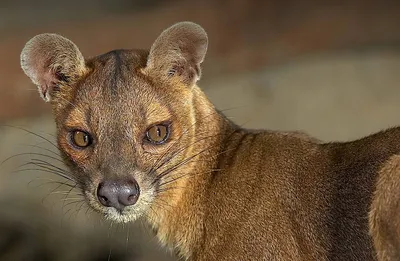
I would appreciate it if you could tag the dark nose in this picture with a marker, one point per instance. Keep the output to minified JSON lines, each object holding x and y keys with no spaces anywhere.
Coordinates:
{"x":118,"y":193}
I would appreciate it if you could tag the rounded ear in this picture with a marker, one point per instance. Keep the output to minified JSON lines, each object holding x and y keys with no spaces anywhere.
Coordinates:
{"x":178,"y":52}
{"x":52,"y":61}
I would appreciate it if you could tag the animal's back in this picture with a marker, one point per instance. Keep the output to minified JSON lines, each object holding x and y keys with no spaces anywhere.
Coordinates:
{"x":294,"y":198}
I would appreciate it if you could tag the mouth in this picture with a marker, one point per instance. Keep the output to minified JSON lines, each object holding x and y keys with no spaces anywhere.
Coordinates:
{"x":118,"y":216}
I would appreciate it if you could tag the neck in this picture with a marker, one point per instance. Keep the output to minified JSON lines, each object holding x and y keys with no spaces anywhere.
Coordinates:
{"x":179,"y":224}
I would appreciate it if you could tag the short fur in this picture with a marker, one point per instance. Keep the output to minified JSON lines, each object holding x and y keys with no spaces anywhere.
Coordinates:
{"x":214,"y":191}
{"x":385,"y":211}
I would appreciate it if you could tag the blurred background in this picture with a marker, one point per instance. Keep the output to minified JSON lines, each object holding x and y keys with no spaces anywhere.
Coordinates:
{"x":329,"y":68}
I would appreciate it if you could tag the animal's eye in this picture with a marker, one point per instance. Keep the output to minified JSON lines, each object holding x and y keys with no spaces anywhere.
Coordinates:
{"x":157,"y":134}
{"x":81,"y":139}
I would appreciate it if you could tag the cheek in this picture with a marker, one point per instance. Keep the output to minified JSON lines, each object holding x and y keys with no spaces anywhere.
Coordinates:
{"x":149,"y":159}
{"x":171,"y":159}
{"x":77,"y":161}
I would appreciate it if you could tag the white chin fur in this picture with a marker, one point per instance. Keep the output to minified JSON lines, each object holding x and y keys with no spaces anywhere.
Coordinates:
{"x":129,"y":214}
{"x":114,"y":215}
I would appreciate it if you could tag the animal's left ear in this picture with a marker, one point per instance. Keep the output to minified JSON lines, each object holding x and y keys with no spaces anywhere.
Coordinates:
{"x":178,"y":52}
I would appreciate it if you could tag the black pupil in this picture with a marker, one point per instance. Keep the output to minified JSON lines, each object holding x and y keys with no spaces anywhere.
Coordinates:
{"x":85,"y":138}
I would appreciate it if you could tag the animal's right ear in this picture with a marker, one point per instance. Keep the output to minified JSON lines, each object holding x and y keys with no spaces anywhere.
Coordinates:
{"x":178,"y":52}
{"x":52,"y":62}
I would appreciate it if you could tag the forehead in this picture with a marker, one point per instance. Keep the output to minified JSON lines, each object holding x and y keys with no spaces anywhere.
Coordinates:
{"x":116,"y":88}
{"x":115,"y":75}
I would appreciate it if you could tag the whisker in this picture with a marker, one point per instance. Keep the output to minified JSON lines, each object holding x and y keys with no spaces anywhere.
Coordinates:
{"x":160,"y":191}
{"x":33,"y":133}
{"x":67,"y":195}
{"x":64,"y":214}
{"x":73,"y":202}
{"x":65,"y":192}
{"x":33,"y":169}
{"x":183,"y":162}
{"x":45,"y":165}
{"x":48,"y":163}
{"x":49,"y":181}
{"x":62,"y":184}
{"x":79,"y":208}
{"x":152,"y":210}
{"x":40,"y":147}
{"x":216,"y":155}
{"x":43,"y":169}
{"x":65,"y":173}
{"x":178,"y":165}
{"x":185,"y":175}
{"x":127,"y":239}
{"x":66,"y":199}
{"x":87,"y":210}
{"x":30,"y":153}
{"x":181,"y":150}
{"x":161,"y":203}
{"x":169,"y":158}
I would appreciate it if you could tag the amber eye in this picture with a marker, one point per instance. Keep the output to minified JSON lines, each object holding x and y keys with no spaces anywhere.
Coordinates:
{"x":158,"y":134}
{"x":81,"y":139}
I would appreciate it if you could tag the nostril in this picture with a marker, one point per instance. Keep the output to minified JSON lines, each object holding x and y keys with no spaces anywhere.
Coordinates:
{"x":103,"y":200}
{"x":131,"y":198}
{"x":129,"y":193}
{"x":103,"y":194}
{"x":118,"y":193}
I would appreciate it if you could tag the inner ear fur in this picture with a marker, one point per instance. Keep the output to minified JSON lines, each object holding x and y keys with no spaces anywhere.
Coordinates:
{"x":178,"y":52}
{"x":52,"y":61}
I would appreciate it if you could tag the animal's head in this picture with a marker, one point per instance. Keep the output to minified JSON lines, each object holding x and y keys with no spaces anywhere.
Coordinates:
{"x":124,"y":119}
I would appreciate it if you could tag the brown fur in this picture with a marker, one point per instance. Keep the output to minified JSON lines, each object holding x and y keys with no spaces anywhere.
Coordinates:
{"x":214,"y":191}
{"x":385,"y":211}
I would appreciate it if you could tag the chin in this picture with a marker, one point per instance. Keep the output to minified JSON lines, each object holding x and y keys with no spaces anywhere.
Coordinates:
{"x":125,"y":217}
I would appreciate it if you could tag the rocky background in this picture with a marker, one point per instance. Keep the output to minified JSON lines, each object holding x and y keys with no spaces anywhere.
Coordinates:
{"x":330,"y":68}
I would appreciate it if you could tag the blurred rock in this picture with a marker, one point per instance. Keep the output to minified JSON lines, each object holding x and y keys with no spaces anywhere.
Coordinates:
{"x":244,"y":35}
{"x":29,"y":232}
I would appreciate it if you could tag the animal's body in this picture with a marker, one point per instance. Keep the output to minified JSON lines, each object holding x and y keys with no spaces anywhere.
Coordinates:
{"x":142,"y":139}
